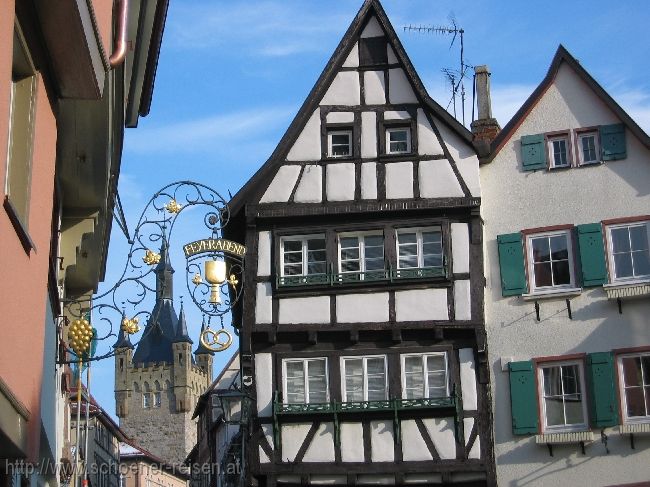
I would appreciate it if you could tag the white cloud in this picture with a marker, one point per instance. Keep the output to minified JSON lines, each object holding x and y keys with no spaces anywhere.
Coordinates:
{"x":208,"y":133}
{"x":266,"y":28}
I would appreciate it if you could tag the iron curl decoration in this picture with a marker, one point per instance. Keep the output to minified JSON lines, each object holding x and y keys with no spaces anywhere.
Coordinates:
{"x":151,"y":236}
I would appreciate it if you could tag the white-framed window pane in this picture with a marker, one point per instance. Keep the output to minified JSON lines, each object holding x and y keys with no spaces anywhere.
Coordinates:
{"x":588,"y":148}
{"x":425,"y":376}
{"x":340,"y":143}
{"x":354,"y":379}
{"x":304,"y":256}
{"x":376,"y":378}
{"x":398,"y":140}
{"x":551,"y":264}
{"x":419,"y":248}
{"x":306,"y":381}
{"x":630,"y":253}
{"x":636,"y":384}
{"x":146,"y":400}
{"x":562,"y":395}
{"x":559,"y":152}
{"x":360,"y":253}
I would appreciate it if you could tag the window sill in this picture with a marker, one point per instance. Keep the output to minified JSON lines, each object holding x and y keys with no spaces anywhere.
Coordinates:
{"x":627,"y":289}
{"x":564,"y":438}
{"x":634,"y":428}
{"x":19,"y":226}
{"x":553,"y":294}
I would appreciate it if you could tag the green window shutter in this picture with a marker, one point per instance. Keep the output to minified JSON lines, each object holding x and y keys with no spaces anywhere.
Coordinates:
{"x":603,"y":400}
{"x":523,"y":398}
{"x":511,"y":263}
{"x":592,"y":254}
{"x":612,"y":142}
{"x":533,"y":155}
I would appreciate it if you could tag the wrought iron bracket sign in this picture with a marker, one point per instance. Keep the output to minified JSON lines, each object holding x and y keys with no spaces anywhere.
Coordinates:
{"x":214,"y":273}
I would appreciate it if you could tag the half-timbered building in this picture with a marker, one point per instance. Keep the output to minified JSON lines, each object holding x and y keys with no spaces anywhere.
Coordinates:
{"x":362,"y":330}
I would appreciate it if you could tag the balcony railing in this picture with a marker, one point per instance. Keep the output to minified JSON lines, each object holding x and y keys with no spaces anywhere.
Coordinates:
{"x":394,"y":407}
{"x":384,"y":275}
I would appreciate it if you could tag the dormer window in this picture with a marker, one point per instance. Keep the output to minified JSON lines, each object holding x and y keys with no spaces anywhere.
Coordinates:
{"x":398,"y":140}
{"x":339,"y":143}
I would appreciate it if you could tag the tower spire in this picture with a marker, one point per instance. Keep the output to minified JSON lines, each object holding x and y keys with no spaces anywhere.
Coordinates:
{"x":123,"y":339}
{"x":164,"y":275}
{"x":181,"y":328}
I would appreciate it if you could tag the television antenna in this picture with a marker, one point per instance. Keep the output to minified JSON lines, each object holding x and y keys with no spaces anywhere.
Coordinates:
{"x":455,"y":77}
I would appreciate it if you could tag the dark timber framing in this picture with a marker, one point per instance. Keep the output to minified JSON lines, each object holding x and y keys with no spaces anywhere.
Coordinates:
{"x":334,"y":339}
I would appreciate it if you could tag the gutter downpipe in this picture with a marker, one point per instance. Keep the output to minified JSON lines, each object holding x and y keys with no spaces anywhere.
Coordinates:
{"x":119,"y":52}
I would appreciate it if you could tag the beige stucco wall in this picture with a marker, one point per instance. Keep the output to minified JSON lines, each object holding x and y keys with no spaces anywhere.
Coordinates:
{"x":515,"y":200}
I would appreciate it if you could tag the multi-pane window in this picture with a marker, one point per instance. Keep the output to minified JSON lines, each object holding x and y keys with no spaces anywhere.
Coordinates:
{"x":550,"y":260}
{"x":364,"y":378}
{"x":424,"y":376}
{"x":419,"y":248}
{"x":157,"y":400}
{"x":303,"y":255}
{"x":361,"y":252}
{"x":634,"y":380}
{"x":559,"y":151}
{"x":588,"y":151}
{"x":398,"y":140}
{"x":305,"y":381}
{"x":339,"y":143}
{"x":146,"y":400}
{"x":629,"y":255}
{"x":562,"y":396}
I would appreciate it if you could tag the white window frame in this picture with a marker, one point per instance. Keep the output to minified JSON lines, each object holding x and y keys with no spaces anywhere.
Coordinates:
{"x":365,"y":374}
{"x":551,"y":152}
{"x":531,"y":263}
{"x":330,"y":152}
{"x":306,"y":384}
{"x":621,"y":382}
{"x":542,"y":404}
{"x":425,"y":371}
{"x":146,"y":400}
{"x":157,"y":399}
{"x":390,"y":130}
{"x":303,"y":239}
{"x":362,"y":250}
{"x":610,"y":252}
{"x":580,"y":154}
{"x":420,"y":251}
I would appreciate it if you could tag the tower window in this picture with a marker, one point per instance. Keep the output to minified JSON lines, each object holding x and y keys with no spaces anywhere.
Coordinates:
{"x":156,"y":399}
{"x":146,"y":400}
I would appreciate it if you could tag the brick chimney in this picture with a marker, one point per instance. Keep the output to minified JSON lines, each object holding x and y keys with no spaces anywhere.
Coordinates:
{"x":485,"y":128}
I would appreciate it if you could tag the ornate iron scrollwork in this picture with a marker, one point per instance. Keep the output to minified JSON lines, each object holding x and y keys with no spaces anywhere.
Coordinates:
{"x":153,"y":232}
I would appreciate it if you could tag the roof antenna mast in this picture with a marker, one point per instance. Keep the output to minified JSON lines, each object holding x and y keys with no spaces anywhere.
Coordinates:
{"x":455,"y":77}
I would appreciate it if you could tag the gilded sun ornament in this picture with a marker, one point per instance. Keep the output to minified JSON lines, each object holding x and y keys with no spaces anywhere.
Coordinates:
{"x":151,"y":258}
{"x":173,"y":206}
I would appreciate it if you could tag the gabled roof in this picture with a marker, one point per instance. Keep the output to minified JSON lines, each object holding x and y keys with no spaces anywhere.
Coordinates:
{"x":369,"y":9}
{"x":563,"y":56}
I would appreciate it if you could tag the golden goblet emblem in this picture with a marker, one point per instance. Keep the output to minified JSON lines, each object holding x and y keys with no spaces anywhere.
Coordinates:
{"x":215,"y":275}
{"x":210,"y":340}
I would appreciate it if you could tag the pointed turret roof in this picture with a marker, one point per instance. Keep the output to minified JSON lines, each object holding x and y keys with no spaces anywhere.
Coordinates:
{"x":181,"y":328}
{"x":123,"y":339}
{"x":201,"y":349}
{"x":161,"y":328}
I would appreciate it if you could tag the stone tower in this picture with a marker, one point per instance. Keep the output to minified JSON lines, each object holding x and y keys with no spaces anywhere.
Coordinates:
{"x":158,"y":383}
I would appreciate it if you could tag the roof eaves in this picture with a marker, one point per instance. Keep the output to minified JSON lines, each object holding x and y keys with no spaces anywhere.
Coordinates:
{"x":563,"y":55}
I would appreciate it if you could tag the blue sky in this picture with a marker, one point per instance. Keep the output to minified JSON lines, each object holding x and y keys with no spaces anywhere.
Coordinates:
{"x":232,"y":74}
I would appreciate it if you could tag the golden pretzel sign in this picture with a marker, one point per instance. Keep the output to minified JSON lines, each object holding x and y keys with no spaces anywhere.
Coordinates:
{"x":210,"y":340}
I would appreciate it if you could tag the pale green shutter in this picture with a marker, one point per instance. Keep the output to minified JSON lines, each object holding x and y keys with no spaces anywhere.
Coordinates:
{"x":592,"y":254}
{"x":523,"y":398}
{"x":612,"y":141}
{"x":603,"y":400}
{"x":511,"y":264}
{"x":533,"y":154}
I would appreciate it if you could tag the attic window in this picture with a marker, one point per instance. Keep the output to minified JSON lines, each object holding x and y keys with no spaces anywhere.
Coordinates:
{"x":373,"y":51}
{"x":339,"y":143}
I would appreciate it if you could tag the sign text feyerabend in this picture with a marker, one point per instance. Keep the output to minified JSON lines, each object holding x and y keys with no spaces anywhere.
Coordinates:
{"x":214,"y":245}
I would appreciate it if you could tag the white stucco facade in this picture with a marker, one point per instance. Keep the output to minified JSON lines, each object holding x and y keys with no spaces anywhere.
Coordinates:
{"x":515,"y":200}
